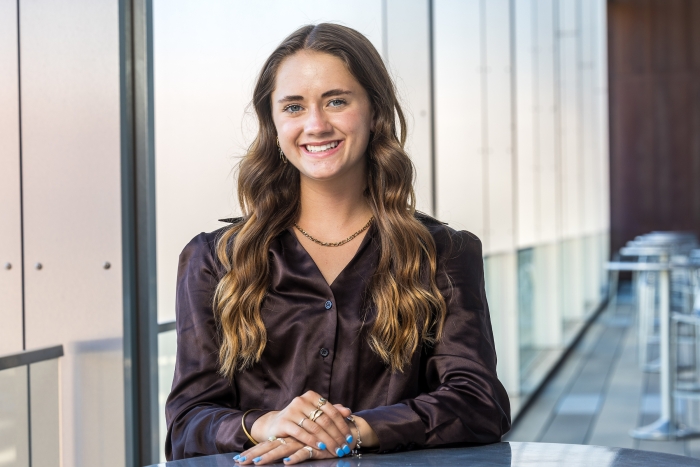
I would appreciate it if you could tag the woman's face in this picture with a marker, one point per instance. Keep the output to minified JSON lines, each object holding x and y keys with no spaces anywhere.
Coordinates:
{"x":323,"y":116}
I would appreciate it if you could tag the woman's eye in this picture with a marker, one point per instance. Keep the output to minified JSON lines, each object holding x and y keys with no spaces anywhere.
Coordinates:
{"x":336,"y":102}
{"x":293,"y":108}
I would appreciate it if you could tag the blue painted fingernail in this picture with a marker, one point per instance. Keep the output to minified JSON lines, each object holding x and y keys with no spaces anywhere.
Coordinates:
{"x":287,"y":459}
{"x":349,"y":438}
{"x":339,"y":452}
{"x":257,"y":459}
{"x":321,"y":445}
{"x":236,"y":457}
{"x":242,"y":459}
{"x":346,"y":449}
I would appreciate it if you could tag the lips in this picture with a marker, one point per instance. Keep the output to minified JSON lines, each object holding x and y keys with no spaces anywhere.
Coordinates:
{"x":316,"y":148}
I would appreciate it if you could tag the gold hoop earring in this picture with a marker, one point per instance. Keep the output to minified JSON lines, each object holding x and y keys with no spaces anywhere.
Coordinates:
{"x":284,"y":159}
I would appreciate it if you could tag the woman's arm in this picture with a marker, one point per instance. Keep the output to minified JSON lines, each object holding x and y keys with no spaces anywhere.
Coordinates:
{"x":464,"y":401}
{"x":199,"y":412}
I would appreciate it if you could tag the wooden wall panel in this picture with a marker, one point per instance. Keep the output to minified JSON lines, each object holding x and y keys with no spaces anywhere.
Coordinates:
{"x":654,"y":63}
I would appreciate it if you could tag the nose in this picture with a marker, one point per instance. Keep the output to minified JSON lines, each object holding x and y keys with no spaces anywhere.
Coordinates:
{"x":317,"y":122}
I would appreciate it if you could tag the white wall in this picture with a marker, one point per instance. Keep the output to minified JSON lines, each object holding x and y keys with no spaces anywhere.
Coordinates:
{"x":407,"y":53}
{"x":70,"y":170}
{"x":459,"y":151}
{"x":10,"y":202}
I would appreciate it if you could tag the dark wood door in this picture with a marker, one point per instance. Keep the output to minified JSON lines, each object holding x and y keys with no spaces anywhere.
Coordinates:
{"x":654,"y":67}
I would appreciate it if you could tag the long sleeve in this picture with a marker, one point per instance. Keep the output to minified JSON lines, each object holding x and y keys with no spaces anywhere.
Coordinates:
{"x":464,"y":401}
{"x":201,"y":414}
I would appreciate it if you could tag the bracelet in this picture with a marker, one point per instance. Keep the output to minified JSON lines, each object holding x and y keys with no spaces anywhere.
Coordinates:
{"x":252,"y":440}
{"x":358,"y":445}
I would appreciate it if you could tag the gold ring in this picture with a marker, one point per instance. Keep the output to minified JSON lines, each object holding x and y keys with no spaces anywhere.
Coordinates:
{"x":272,"y":438}
{"x":317,"y":413}
{"x":301,"y":423}
{"x":321,"y":402}
{"x":281,"y":440}
{"x":311,"y":451}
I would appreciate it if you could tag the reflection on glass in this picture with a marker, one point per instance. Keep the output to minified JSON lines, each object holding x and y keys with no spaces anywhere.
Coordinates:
{"x":527,"y":454}
{"x":526,"y":286}
{"x":44,"y":401}
{"x":14,"y":415}
{"x":167,"y":346}
{"x":572,"y":277}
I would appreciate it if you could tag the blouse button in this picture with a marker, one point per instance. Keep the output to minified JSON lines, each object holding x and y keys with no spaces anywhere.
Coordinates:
{"x":329,"y":304}
{"x":324,"y":352}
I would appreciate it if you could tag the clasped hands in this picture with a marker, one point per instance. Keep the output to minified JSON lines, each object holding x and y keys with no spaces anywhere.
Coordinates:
{"x":308,"y":428}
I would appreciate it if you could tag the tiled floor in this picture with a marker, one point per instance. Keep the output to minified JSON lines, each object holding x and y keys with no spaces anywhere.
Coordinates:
{"x":599,"y":393}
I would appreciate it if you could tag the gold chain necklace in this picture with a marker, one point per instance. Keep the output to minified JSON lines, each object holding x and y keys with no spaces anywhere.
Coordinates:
{"x":342,"y":242}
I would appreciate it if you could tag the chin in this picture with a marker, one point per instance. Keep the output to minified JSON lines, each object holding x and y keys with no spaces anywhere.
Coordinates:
{"x":321,"y":173}
{"x":320,"y":176}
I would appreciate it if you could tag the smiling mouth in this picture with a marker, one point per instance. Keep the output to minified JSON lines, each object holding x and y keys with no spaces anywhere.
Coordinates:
{"x":322,"y":147}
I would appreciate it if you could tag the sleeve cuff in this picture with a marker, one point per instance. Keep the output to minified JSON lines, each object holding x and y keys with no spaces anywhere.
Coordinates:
{"x":230,"y":436}
{"x":397,"y":426}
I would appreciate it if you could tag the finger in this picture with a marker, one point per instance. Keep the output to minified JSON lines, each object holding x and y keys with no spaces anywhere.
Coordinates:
{"x":338,"y":429}
{"x":329,"y":436}
{"x":247,"y":456}
{"x":260,"y":449}
{"x":279,"y":451}
{"x":344,"y":411}
{"x":311,"y":435}
{"x":304,"y":406}
{"x":311,"y":396}
{"x":334,"y":433}
{"x":344,"y":434}
{"x":320,"y":438}
{"x":324,"y":427}
{"x":302,"y":455}
{"x":324,"y":436}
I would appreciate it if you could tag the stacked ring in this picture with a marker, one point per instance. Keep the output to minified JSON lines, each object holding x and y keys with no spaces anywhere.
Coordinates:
{"x":315,"y":414}
{"x":281,"y":440}
{"x":272,"y":438}
{"x":301,"y":422}
{"x":311,"y":451}
{"x":321,"y":401}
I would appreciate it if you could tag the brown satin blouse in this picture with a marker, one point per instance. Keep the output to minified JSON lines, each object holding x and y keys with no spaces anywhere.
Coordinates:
{"x":317,"y":341}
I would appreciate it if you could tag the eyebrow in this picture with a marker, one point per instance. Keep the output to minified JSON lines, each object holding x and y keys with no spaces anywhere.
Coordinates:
{"x":332,"y":92}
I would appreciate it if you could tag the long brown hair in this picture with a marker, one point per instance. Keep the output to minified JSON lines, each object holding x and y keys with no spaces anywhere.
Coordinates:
{"x":408,"y":310}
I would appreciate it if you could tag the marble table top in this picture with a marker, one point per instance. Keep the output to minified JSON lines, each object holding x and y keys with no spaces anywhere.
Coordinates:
{"x":506,"y":454}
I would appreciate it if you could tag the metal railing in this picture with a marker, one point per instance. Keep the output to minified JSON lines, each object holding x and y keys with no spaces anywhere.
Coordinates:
{"x":29,"y":407}
{"x":663,"y":267}
{"x":167,"y":346}
{"x":27,"y":357}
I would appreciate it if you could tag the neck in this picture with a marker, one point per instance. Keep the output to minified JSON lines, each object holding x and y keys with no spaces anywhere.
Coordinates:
{"x":332,"y":207}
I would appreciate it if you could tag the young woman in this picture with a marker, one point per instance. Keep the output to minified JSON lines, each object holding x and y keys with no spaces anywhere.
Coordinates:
{"x":331,"y":316}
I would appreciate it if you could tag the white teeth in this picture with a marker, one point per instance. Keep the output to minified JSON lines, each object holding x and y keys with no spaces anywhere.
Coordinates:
{"x":323,"y":147}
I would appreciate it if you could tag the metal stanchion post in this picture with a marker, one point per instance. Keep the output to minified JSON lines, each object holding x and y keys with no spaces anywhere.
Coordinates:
{"x":645,"y":314}
{"x":665,"y":427}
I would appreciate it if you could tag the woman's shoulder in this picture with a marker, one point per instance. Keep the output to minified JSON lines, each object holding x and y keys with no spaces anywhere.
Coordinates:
{"x":202,"y":247}
{"x":446,"y":238}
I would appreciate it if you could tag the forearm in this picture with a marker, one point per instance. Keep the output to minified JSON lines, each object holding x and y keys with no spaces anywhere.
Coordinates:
{"x":207,"y":430}
{"x":363,"y":432}
{"x":465,"y":409}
